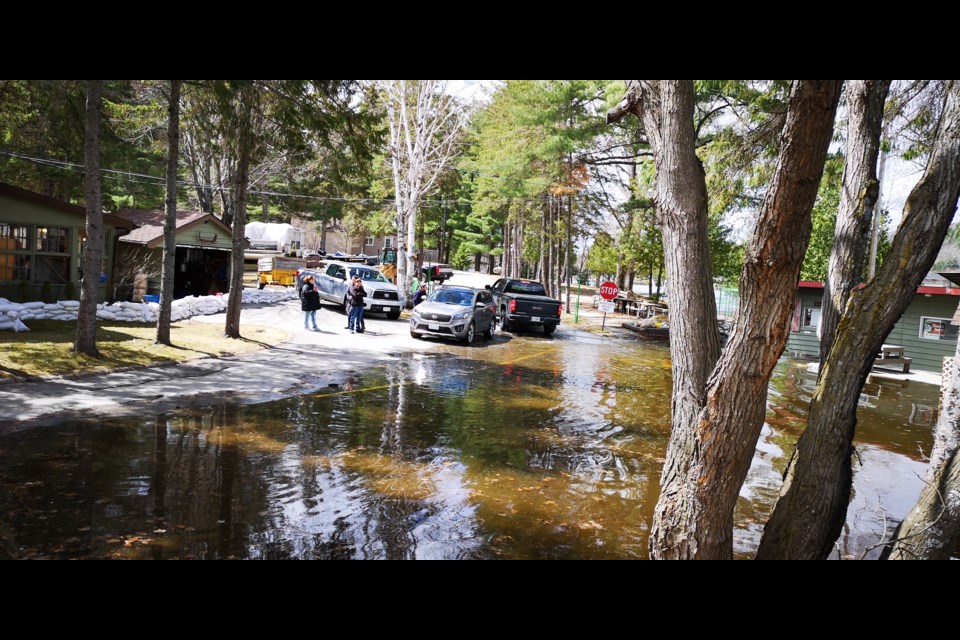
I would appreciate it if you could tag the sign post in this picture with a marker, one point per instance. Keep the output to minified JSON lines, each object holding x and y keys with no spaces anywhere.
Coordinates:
{"x":608,"y":291}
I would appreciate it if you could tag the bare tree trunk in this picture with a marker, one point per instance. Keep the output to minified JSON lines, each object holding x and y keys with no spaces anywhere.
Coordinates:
{"x":244,"y":153}
{"x":566,"y":254}
{"x":716,"y":425}
{"x":813,"y":501}
{"x":323,"y":230}
{"x":170,"y":221}
{"x":666,"y":109}
{"x":505,"y":262}
{"x":931,"y":529}
{"x":865,"y":99}
{"x":92,"y":261}
{"x":541,"y":268}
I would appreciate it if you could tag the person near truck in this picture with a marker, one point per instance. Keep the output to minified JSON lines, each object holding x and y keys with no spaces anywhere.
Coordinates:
{"x":310,"y":302}
{"x":355,"y":296}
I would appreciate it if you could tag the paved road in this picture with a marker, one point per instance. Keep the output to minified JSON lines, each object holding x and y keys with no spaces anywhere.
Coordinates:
{"x":310,"y":360}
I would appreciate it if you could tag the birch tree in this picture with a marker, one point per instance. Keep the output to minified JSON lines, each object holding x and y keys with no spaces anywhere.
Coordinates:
{"x":425,"y":124}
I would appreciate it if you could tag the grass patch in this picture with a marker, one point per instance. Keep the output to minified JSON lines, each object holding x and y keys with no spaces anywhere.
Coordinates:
{"x":46,"y":349}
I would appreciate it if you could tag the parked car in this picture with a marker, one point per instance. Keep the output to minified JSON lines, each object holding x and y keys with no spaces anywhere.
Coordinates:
{"x":455,"y":312}
{"x":333,"y":278}
{"x":523,"y":303}
{"x":436,"y":272}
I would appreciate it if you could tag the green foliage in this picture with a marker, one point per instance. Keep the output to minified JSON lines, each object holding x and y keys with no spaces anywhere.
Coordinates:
{"x":824,"y":218}
{"x":602,"y":256}
{"x":70,"y":291}
{"x":23,"y":291}
{"x":46,"y":292}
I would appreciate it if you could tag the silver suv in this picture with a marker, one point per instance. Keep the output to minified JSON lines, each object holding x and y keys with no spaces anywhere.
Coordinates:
{"x":455,"y":312}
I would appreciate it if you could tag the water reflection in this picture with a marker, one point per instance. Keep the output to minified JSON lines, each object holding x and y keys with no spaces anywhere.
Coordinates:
{"x":527,"y":448}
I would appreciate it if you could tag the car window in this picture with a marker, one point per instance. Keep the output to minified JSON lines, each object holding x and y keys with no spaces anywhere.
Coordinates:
{"x":332,"y":270}
{"x":452,"y":296}
{"x":525,"y":286}
{"x":369,"y":275}
{"x":341,"y":273}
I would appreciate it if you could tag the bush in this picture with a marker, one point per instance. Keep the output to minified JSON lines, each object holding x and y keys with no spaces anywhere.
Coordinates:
{"x":70,"y":291}
{"x":46,"y":292}
{"x":23,"y":291}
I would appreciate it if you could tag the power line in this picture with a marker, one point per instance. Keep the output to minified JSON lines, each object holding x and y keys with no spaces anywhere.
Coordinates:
{"x":155,"y":181}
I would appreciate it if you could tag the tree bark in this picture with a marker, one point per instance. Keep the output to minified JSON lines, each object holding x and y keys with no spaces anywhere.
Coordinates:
{"x":865,"y":100}
{"x":813,"y":501}
{"x":244,"y":153}
{"x":666,"y":109}
{"x":569,"y":246}
{"x":170,"y":221}
{"x":92,"y":260}
{"x":931,"y":529}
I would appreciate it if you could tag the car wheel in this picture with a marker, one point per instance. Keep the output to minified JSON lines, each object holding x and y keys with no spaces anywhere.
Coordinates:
{"x":414,"y":334}
{"x":471,"y":333}
{"x":504,"y":323}
{"x":548,"y":329}
{"x":488,"y":334}
{"x":393,"y":315}
{"x":344,"y":304}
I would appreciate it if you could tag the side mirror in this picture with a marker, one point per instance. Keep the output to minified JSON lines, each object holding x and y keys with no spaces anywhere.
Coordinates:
{"x":488,"y":287}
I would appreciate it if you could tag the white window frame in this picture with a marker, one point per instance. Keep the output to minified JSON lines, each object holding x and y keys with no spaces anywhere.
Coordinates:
{"x":388,"y":243}
{"x":369,"y":241}
{"x":807,"y":319}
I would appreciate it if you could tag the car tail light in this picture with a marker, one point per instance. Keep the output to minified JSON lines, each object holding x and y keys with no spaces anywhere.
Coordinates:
{"x":436,"y":270}
{"x":513,"y":306}
{"x":559,"y":311}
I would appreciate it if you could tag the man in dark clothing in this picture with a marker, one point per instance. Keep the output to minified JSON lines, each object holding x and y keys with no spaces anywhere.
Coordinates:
{"x":420,"y":295}
{"x":310,"y":302}
{"x":355,"y":296}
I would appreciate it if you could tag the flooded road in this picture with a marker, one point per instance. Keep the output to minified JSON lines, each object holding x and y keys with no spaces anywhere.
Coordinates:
{"x":523,"y":447}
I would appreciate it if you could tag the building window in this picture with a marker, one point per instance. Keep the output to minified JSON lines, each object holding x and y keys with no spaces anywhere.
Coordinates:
{"x":369,"y":241}
{"x":14,"y":267}
{"x":53,"y":239}
{"x":14,"y":237}
{"x":938,"y":329}
{"x":52,"y":269}
{"x":387,"y":243}
{"x":810,"y":318}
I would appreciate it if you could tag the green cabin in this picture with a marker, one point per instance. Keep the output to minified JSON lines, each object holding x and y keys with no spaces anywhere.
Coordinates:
{"x":924,"y":330}
{"x":41,"y":240}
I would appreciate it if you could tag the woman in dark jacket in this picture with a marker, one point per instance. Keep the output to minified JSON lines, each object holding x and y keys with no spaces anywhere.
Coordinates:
{"x":310,"y":298}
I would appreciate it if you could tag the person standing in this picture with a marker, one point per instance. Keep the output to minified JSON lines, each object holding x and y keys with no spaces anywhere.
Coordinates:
{"x":352,"y":303}
{"x":359,"y":294}
{"x":310,"y":302}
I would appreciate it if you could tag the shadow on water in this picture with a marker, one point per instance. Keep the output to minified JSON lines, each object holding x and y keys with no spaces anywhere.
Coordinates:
{"x":526,"y":448}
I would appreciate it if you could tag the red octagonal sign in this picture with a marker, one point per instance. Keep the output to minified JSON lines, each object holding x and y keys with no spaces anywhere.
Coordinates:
{"x":609,"y":290}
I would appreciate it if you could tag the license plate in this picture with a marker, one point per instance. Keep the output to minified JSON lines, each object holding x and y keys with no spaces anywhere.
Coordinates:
{"x":433,"y":327}
{"x":377,"y":309}
{"x":535,"y":318}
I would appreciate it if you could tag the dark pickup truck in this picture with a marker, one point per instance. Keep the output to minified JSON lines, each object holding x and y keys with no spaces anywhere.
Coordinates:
{"x":522,"y":303}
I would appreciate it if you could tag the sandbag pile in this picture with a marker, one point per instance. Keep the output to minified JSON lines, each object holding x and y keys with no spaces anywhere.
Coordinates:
{"x":13,"y":315}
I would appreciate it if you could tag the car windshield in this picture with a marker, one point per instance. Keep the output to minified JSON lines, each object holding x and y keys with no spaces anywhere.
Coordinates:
{"x":459,"y":297}
{"x":369,"y":275}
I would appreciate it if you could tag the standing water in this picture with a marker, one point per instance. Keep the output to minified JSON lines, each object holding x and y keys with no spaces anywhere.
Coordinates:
{"x":525,"y":447}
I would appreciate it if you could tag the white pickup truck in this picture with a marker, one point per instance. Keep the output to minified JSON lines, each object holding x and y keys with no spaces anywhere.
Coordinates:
{"x":333,"y":279}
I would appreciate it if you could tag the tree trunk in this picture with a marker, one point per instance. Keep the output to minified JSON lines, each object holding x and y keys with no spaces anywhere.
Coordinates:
{"x":715,"y":426}
{"x":170,"y":222}
{"x":566,"y":254}
{"x":813,"y":501}
{"x":931,"y":529}
{"x":323,"y":230}
{"x":865,"y":99}
{"x":244,"y":153}
{"x":541,"y":270}
{"x":92,"y":260}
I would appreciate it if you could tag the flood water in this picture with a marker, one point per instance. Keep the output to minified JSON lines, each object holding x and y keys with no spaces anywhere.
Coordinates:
{"x":525,"y":447}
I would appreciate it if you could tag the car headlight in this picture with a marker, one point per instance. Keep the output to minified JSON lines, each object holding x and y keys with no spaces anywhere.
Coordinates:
{"x":461,"y":316}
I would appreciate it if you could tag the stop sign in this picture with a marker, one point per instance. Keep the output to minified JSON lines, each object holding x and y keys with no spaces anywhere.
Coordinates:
{"x":609,"y":290}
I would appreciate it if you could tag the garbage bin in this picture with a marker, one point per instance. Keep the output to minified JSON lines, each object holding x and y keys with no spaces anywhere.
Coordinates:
{"x":152,"y":298}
